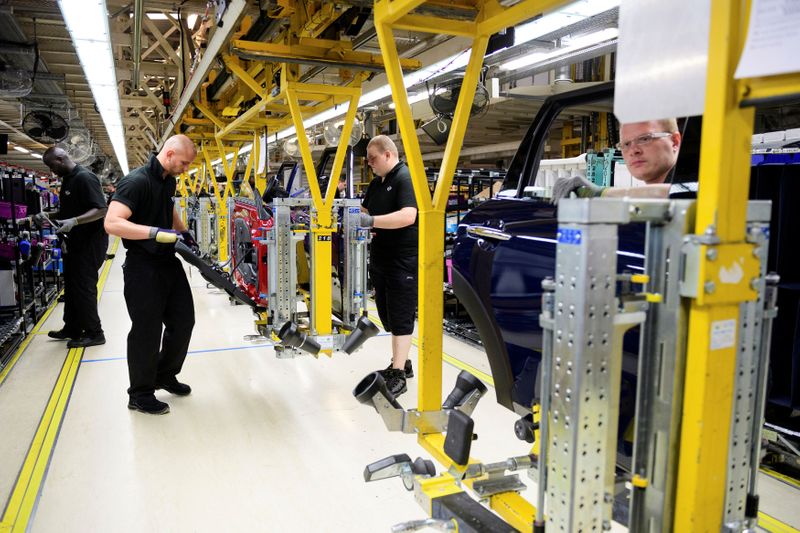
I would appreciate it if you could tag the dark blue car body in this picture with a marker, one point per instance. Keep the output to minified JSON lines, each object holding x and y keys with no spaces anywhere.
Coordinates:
{"x":500,"y":284}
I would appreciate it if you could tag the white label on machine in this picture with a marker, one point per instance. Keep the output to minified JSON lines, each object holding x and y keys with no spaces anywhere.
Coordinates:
{"x":723,"y":334}
{"x":325,"y":342}
{"x":773,"y":39}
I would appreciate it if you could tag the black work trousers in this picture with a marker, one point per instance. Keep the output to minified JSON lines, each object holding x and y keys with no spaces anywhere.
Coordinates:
{"x":161,"y":309}
{"x":395,"y":282}
{"x":82,"y":260}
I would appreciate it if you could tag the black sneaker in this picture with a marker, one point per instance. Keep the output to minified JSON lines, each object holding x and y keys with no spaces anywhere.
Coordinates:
{"x":63,"y":334}
{"x":395,"y":381}
{"x":409,"y":370}
{"x":173,"y":386}
{"x":85,"y":342}
{"x":149,"y":405}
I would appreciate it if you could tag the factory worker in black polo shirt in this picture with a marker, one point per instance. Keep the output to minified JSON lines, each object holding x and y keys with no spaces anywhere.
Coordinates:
{"x":157,"y":293}
{"x":391,"y":210}
{"x":84,"y":243}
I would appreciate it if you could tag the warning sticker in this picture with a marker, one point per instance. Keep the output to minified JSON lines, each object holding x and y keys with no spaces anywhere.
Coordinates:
{"x":723,"y":334}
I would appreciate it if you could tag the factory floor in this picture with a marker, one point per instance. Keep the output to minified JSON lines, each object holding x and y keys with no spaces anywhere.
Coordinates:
{"x":261,"y":444}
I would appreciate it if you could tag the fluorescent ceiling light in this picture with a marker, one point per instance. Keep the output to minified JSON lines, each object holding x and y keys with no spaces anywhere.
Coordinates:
{"x":87,"y":23}
{"x":414,"y":98}
{"x":21,"y":149}
{"x":34,"y":154}
{"x":574,"y":44}
{"x":574,"y":12}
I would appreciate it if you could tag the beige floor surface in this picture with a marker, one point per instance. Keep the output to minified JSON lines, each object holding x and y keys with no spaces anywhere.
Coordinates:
{"x":262,"y":444}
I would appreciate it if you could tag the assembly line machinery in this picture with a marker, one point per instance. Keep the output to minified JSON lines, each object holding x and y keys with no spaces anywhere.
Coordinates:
{"x":702,"y":479}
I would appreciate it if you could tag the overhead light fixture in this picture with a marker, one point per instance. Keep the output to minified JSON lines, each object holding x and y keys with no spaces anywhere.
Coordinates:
{"x":413,"y":98}
{"x":570,"y":14}
{"x":87,"y":23}
{"x":21,"y":149}
{"x":574,"y":44}
{"x":34,"y":154}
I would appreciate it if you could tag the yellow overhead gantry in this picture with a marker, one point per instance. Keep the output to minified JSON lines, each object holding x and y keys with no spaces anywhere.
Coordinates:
{"x":266,"y":94}
{"x":724,"y":176}
{"x":491,"y":17}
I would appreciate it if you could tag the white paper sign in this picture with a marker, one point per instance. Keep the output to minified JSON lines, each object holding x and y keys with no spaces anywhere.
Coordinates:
{"x":662,"y":58}
{"x":773,"y":39}
{"x":723,"y":334}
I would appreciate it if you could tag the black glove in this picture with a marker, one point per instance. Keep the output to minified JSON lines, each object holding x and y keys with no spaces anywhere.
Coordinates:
{"x":582,"y":188}
{"x":366,"y":221}
{"x":188,"y":240}
{"x":164,"y":236}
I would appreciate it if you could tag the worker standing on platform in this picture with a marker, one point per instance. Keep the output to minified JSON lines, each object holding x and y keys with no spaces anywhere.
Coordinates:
{"x":391,"y":209}
{"x":84,"y":243}
{"x":157,"y":293}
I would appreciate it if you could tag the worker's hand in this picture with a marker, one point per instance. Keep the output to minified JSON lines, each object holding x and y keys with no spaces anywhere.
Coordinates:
{"x":164,"y":236}
{"x":65,"y":226}
{"x":188,"y":240}
{"x":366,"y":221}
{"x":39,"y":219}
{"x":582,"y":188}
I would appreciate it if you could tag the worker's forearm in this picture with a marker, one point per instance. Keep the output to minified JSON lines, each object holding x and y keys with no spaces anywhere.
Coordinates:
{"x":91,"y":215}
{"x":126,"y":229}
{"x":649,"y":191}
{"x":399,"y":219}
{"x":177,"y":223}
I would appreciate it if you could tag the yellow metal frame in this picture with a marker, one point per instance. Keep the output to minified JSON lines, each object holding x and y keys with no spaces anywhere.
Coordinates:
{"x":322,"y":226}
{"x":492,"y":17}
{"x":721,"y":212}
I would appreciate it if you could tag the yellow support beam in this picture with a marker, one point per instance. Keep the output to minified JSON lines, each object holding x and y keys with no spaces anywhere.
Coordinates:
{"x":317,"y":51}
{"x":721,"y":214}
{"x":461,"y":28}
{"x":232,"y":64}
{"x":322,"y":226}
{"x":511,"y":506}
{"x":210,"y":115}
{"x":222,"y":208}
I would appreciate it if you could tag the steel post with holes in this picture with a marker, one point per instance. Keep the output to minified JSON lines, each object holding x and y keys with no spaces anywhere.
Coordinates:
{"x":659,"y":383}
{"x":749,"y":384}
{"x":354,"y":279}
{"x":283,"y":270}
{"x":587,"y":367}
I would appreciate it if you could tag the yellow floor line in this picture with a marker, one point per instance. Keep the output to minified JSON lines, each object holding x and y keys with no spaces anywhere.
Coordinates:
{"x":773,"y":525}
{"x":780,"y":477}
{"x":26,"y":491}
{"x":483,"y":376}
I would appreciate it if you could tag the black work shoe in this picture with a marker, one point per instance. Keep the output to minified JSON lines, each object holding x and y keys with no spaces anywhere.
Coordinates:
{"x":149,"y":405}
{"x":85,"y":342}
{"x":409,"y":370}
{"x":175,"y":387}
{"x":395,"y":381}
{"x":63,"y":334}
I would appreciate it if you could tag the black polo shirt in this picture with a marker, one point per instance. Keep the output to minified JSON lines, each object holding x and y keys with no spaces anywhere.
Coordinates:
{"x":148,"y":194}
{"x":80,"y":192}
{"x":388,"y":195}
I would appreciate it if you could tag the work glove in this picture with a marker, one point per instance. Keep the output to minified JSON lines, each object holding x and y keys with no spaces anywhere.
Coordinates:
{"x":164,"y":236}
{"x":188,"y":239}
{"x":40,"y":219}
{"x":65,"y":226}
{"x":366,"y":221}
{"x":582,"y":188}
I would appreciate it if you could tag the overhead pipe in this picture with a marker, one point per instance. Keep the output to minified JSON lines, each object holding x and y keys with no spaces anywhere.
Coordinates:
{"x":138,"y":14}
